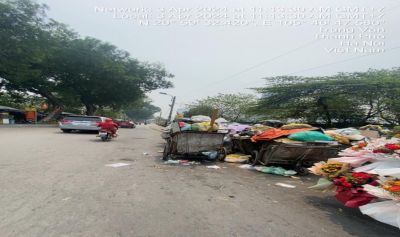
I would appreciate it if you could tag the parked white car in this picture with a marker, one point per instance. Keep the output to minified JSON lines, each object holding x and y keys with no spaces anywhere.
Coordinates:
{"x":80,"y":123}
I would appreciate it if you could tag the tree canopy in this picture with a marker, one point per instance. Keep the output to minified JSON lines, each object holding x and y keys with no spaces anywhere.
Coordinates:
{"x":233,"y":107}
{"x":345,"y":99}
{"x":44,"y":57}
{"x":142,"y":110}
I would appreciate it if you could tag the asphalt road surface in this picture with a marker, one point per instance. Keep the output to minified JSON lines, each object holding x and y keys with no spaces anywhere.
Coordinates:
{"x":55,"y":184}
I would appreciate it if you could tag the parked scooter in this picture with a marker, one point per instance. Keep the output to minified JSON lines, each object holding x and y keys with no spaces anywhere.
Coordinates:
{"x":105,"y":135}
{"x":108,"y":129}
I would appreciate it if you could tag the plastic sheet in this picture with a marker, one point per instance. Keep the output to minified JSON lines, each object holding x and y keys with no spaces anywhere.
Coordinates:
{"x":380,"y":166}
{"x":352,"y":161}
{"x":200,"y":118}
{"x":278,"y":171}
{"x":387,"y":212}
{"x":310,"y":136}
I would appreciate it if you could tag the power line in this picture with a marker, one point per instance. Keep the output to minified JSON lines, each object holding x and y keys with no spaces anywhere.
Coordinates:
{"x":333,"y":63}
{"x":260,"y":64}
{"x":269,"y":60}
{"x":288,"y":52}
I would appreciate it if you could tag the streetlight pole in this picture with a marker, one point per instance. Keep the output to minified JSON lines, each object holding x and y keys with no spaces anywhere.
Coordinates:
{"x":171,"y":105}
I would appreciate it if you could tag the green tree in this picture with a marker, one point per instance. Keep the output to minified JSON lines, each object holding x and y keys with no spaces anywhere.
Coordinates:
{"x":233,"y":107}
{"x":102,"y":75}
{"x":141,"y":110}
{"x":44,"y":57}
{"x":199,"y":109}
{"x":346,"y":99}
{"x":19,"y":100}
{"x":29,"y":40}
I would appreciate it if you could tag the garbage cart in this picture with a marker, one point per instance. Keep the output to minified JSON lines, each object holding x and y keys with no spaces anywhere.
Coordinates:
{"x":193,"y":144}
{"x":300,"y":155}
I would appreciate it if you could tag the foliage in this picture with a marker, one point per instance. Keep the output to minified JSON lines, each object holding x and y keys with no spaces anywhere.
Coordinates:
{"x":44,"y":57}
{"x":28,"y":39}
{"x":233,"y":107}
{"x":19,"y":100}
{"x":198,"y":109}
{"x":346,"y":99}
{"x":109,"y":112}
{"x":141,"y":110}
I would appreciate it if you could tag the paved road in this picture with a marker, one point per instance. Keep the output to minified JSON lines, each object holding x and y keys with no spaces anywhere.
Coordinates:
{"x":55,"y":184}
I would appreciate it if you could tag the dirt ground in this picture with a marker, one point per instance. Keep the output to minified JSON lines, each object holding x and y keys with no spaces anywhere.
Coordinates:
{"x":55,"y":184}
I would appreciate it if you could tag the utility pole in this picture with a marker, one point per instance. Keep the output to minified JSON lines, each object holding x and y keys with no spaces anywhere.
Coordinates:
{"x":170,"y":112}
{"x":171,"y":105}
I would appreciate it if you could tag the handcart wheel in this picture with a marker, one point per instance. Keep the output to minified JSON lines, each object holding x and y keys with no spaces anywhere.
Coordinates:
{"x":166,"y":150}
{"x":300,"y":169}
{"x":254,"y":157}
{"x":301,"y":163}
{"x":267,"y":154}
{"x":222,"y":154}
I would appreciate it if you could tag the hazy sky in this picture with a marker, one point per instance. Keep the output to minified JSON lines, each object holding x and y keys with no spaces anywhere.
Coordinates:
{"x":223,"y":59}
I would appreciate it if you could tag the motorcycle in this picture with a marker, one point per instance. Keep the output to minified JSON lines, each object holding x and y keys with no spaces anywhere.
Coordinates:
{"x":105,"y":135}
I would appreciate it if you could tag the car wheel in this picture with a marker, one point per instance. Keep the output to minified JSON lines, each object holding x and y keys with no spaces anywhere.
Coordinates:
{"x":66,"y":130}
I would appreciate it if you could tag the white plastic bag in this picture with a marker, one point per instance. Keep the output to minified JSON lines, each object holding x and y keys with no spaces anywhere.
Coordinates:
{"x":387,"y":212}
{"x":200,"y":118}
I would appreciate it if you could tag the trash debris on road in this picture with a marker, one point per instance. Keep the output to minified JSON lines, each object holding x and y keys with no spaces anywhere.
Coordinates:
{"x":117,"y":165}
{"x":212,"y":155}
{"x":285,"y":185}
{"x":278,"y":171}
{"x":172,"y":162}
{"x":237,"y":158}
{"x":145,"y":153}
{"x":247,"y":166}
{"x":222,"y":198}
{"x":216,"y":167}
{"x":270,"y":170}
{"x":181,"y":162}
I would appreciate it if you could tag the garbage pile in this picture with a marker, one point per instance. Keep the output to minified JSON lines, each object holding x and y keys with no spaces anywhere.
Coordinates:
{"x":366,"y":176}
{"x":252,"y":140}
{"x":360,"y":166}
{"x":307,"y":133}
{"x":199,"y":123}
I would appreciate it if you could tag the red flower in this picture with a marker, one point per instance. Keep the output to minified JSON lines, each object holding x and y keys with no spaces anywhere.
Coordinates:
{"x":392,"y":146}
{"x":353,"y":197}
{"x":342,"y":181}
{"x":380,"y":151}
{"x":394,"y":189}
{"x":360,"y":175}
